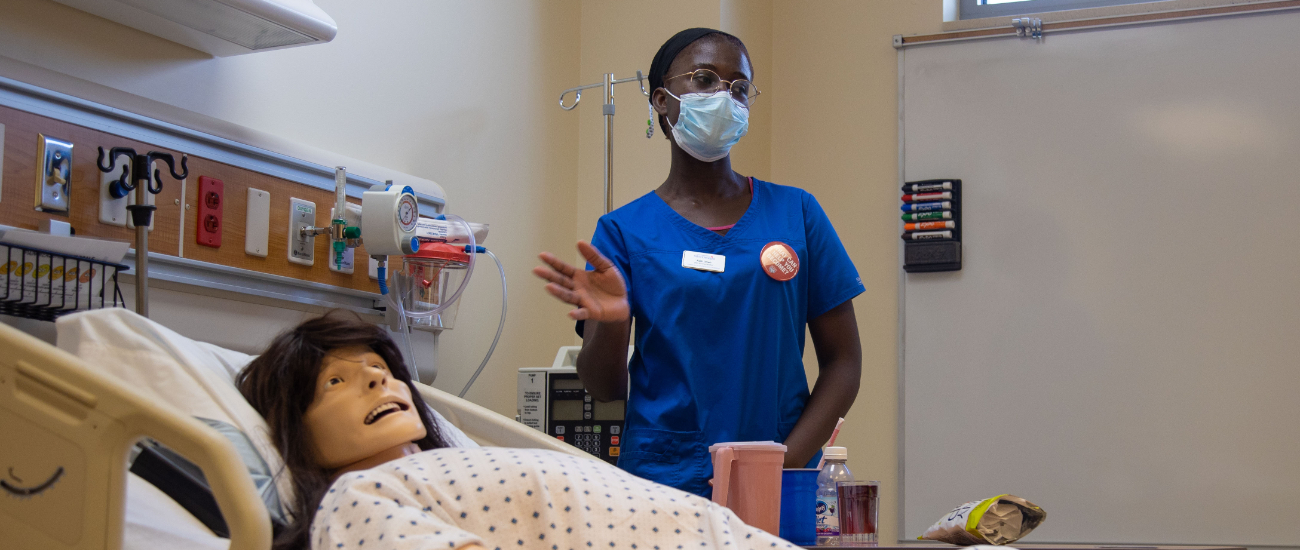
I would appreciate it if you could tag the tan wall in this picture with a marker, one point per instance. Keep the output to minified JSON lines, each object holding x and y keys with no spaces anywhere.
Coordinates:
{"x":621,"y":37}
{"x":835,"y":134}
{"x":751,"y":21}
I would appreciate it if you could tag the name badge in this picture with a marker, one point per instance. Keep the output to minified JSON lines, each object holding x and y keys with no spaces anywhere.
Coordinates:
{"x":704,"y":262}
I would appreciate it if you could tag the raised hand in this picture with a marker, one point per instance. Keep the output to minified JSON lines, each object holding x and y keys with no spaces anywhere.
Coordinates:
{"x":600,"y":294}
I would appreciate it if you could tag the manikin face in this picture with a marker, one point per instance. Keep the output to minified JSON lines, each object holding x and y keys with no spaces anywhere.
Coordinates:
{"x":360,"y":410}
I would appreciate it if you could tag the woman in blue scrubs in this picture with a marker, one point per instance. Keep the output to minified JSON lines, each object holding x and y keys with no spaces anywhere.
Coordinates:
{"x":722,"y":273}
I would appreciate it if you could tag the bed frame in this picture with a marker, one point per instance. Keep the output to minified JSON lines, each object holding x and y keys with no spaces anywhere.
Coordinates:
{"x":65,"y":433}
{"x":66,"y":430}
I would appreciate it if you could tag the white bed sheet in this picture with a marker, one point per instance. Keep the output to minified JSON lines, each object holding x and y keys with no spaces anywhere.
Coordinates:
{"x":155,"y":521}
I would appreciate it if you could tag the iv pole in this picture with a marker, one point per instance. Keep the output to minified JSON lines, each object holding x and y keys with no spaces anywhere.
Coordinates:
{"x":607,"y":109}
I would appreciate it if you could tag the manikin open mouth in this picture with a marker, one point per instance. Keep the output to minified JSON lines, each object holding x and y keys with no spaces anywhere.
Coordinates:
{"x":384,"y":410}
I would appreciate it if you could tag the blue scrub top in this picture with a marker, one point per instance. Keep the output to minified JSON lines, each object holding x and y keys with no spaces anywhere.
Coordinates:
{"x":719,"y":356}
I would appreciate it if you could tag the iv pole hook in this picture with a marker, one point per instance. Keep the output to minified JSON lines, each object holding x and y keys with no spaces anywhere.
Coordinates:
{"x":607,"y":109}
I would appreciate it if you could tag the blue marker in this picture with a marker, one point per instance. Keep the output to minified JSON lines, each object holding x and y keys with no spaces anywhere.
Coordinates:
{"x":927,"y":206}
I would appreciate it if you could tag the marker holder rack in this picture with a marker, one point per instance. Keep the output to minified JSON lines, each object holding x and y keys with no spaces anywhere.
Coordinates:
{"x":941,"y":254}
{"x":43,"y":285}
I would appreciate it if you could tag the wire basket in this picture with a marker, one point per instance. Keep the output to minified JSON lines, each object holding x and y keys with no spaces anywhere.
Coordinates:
{"x":43,"y":285}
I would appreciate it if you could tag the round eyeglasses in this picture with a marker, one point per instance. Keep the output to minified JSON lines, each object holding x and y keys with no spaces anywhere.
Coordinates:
{"x":706,"y":81}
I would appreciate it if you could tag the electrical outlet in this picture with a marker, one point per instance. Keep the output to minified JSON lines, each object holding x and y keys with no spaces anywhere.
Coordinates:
{"x":53,"y":174}
{"x":257,"y":223}
{"x":112,"y":211}
{"x":302,"y":215}
{"x":211,"y":201}
{"x":353,"y":216}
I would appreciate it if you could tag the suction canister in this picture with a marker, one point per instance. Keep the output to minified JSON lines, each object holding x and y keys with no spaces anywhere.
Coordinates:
{"x":429,"y":278}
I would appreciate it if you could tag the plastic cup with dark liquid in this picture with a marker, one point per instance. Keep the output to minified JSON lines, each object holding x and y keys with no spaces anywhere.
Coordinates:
{"x":859,"y":510}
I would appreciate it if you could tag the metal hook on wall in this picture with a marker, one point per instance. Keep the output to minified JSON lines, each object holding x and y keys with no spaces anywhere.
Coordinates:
{"x":607,"y":109}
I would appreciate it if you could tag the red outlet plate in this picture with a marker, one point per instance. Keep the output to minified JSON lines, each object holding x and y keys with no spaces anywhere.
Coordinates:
{"x":211,"y":201}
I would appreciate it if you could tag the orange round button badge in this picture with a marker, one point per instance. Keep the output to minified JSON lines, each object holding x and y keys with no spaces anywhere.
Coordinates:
{"x":780,"y":262}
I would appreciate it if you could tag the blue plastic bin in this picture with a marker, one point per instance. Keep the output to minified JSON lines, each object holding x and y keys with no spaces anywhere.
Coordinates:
{"x":799,"y":505}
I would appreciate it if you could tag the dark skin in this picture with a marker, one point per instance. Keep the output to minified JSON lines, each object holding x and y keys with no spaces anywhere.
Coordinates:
{"x":709,"y":194}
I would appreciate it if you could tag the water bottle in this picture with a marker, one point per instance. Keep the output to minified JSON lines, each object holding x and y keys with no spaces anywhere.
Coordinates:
{"x":828,"y":514}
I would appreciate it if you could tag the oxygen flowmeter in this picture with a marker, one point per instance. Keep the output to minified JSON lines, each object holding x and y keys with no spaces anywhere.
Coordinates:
{"x":388,"y":221}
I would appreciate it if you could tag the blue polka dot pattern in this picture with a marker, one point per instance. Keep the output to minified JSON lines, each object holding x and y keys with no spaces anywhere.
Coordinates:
{"x":439,"y":512}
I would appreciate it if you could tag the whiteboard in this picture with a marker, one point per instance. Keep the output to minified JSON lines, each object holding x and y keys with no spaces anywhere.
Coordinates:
{"x":1122,"y":346}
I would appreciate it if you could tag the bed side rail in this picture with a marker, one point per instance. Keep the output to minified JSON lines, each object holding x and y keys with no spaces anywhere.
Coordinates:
{"x":65,"y":433}
{"x":490,"y":429}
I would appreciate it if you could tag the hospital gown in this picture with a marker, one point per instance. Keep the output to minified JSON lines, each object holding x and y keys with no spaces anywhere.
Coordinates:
{"x":519,"y":498}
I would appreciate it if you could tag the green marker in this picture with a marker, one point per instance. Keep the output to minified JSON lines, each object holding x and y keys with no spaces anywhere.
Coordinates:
{"x":923,"y":216}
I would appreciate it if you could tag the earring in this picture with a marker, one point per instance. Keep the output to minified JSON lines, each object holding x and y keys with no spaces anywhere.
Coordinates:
{"x":649,"y":121}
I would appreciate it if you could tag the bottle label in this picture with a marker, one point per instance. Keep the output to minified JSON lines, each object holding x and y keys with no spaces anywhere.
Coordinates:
{"x":828,"y":517}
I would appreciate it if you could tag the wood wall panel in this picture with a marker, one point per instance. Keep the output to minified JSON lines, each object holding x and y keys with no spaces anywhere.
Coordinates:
{"x":18,"y":195}
{"x":19,"y":192}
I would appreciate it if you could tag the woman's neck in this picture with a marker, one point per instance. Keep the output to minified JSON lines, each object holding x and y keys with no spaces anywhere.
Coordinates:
{"x":388,"y":455}
{"x":689,"y":177}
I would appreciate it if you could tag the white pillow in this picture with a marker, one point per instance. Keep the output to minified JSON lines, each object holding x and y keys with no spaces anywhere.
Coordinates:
{"x":195,"y":377}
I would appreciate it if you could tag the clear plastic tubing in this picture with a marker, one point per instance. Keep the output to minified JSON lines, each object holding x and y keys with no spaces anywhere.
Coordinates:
{"x":500,"y":325}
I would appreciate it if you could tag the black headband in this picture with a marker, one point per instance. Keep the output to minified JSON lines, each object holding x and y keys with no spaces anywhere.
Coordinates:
{"x":668,"y":52}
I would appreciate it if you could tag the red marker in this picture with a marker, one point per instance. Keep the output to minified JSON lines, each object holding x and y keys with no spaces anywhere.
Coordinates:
{"x":922,"y":197}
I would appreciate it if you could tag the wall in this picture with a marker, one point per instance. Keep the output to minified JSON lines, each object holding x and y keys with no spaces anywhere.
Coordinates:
{"x":827,"y":122}
{"x":440,"y":90}
{"x":835,"y":133}
{"x":622,"y":38}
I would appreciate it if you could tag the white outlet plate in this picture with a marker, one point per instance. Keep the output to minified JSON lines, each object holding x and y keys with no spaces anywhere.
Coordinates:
{"x":113,"y":211}
{"x":257,"y":227}
{"x":374,"y":268}
{"x":301,"y":214}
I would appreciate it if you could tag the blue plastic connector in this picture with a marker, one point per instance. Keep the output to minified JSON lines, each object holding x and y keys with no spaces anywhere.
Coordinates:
{"x":383,"y":280}
{"x":476,"y":250}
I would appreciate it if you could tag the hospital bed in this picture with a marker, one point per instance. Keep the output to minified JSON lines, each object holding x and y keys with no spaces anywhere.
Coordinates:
{"x":70,"y":417}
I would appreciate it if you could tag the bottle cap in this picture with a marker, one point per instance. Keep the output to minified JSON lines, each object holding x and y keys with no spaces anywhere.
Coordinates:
{"x":835,"y":453}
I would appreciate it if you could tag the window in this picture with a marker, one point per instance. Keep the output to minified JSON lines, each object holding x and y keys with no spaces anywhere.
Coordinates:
{"x":978,"y":9}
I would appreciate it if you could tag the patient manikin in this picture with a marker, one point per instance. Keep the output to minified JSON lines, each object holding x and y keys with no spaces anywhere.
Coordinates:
{"x":371,"y":470}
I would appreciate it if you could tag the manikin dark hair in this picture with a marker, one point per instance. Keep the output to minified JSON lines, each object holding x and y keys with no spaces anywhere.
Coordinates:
{"x":281,"y":383}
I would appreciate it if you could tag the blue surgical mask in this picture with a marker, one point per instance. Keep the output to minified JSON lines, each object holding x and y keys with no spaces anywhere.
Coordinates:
{"x":708,"y":125}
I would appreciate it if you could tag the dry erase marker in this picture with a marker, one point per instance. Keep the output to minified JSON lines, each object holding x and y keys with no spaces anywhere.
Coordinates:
{"x":927,"y":187}
{"x":926,"y":235}
{"x":923,"y":216}
{"x":923,"y":197}
{"x":927,"y":226}
{"x":926,"y":206}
